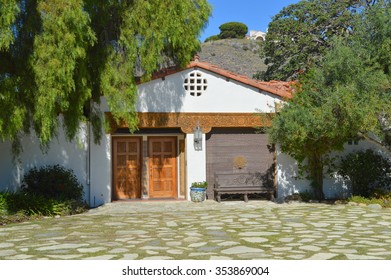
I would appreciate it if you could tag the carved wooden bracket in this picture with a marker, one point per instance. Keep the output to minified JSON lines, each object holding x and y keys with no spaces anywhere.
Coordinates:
{"x":188,"y":121}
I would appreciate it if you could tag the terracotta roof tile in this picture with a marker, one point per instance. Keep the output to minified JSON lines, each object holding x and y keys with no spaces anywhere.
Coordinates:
{"x":279,"y":88}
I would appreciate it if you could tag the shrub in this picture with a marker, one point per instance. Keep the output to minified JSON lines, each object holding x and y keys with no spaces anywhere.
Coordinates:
{"x":367,"y":171}
{"x":19,"y":206}
{"x":48,"y":191}
{"x":306,"y":196}
{"x":212,"y":38}
{"x":53,"y":182}
{"x":202,"y":184}
{"x":33,"y":204}
{"x":384,"y":201}
{"x":233,"y":30}
{"x":3,"y":202}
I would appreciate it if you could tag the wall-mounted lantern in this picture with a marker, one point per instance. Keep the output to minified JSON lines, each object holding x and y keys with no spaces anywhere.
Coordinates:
{"x":198,"y":138}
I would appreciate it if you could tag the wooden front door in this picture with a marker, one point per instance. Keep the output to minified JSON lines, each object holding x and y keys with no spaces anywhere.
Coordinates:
{"x":126,"y":167}
{"x":162,"y":167}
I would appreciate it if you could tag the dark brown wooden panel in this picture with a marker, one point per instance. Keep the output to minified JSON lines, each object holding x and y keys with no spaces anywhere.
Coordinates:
{"x":238,"y":150}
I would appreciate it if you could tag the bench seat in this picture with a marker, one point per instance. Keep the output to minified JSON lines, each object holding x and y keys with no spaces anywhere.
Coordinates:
{"x":241,"y":183}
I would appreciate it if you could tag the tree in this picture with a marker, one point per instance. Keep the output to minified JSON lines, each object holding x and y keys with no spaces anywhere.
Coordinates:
{"x":300,"y":35}
{"x":345,"y":95}
{"x":374,"y":33}
{"x":233,"y":30}
{"x":335,"y":101}
{"x":230,"y":30}
{"x":59,"y":57}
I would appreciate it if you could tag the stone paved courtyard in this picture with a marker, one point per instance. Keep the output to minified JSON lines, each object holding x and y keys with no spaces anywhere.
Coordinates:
{"x":208,"y":230}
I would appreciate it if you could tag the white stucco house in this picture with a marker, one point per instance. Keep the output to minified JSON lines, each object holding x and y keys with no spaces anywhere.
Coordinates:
{"x":163,"y":158}
{"x":257,"y":35}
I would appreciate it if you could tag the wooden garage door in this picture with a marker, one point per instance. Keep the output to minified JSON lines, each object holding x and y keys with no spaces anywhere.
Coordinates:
{"x":162,"y":153}
{"x":126,"y":167}
{"x":238,"y":150}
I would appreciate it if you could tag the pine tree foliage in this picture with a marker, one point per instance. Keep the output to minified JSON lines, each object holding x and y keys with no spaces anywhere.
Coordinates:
{"x":60,"y":57}
{"x":233,"y":30}
{"x":301,"y":33}
{"x":374,"y":34}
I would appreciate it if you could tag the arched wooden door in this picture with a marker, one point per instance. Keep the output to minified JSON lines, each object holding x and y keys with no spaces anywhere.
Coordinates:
{"x":162,"y":152}
{"x":126,"y":167}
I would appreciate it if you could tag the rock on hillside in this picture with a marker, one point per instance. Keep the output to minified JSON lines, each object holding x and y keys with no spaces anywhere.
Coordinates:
{"x":240,"y":56}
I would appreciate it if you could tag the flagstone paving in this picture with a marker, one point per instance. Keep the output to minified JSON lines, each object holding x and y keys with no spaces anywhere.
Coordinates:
{"x":208,"y":230}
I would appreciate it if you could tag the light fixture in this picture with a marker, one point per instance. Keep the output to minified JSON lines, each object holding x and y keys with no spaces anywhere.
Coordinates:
{"x":198,"y":137}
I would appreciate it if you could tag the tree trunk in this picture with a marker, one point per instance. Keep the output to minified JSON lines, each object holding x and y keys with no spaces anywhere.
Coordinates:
{"x":316,"y":173}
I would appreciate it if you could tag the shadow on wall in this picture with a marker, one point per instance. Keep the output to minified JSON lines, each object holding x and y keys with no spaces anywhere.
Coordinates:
{"x":109,"y":175}
{"x":334,"y":186}
{"x":288,"y":182}
{"x":8,"y":170}
{"x":71,"y":155}
{"x":162,"y":95}
{"x":267,"y":178}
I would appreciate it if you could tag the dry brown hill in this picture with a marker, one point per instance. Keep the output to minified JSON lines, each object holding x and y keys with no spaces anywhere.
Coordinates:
{"x":240,"y":56}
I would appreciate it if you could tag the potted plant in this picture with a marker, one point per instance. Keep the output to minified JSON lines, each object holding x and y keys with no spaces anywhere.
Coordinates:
{"x":198,"y":191}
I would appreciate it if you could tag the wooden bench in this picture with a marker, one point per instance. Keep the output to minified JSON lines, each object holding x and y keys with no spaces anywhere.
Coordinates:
{"x":241,"y":183}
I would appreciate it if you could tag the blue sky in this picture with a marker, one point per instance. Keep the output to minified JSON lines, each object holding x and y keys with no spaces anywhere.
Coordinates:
{"x":256,"y":14}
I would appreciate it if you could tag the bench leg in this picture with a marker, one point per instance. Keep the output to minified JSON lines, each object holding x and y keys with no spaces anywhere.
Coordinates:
{"x":245,"y":198}
{"x":218,"y":197}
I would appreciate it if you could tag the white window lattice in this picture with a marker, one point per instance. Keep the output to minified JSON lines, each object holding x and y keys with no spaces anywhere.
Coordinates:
{"x":195,"y":84}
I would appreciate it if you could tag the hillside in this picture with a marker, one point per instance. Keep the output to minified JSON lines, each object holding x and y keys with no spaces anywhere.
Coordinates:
{"x":240,"y":56}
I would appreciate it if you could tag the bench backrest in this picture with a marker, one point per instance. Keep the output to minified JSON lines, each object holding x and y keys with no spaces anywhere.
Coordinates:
{"x":225,"y":179}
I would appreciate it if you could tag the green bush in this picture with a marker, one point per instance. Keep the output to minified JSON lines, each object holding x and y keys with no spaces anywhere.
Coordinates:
{"x":52,"y":182}
{"x":33,"y":204}
{"x":3,"y":202}
{"x":212,"y":38}
{"x":48,"y":191}
{"x":384,"y":201}
{"x":367,"y":171}
{"x":306,"y":196}
{"x":20,"y":206}
{"x":202,"y":184}
{"x":233,"y":30}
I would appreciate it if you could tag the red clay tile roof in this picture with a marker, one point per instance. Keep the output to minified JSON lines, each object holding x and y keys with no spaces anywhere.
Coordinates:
{"x":279,"y":88}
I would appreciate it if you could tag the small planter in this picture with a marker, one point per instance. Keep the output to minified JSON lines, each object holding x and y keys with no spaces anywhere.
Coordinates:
{"x":197,"y":194}
{"x":198,"y":191}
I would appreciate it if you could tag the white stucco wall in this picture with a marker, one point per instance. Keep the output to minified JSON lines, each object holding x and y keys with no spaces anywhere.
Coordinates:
{"x":100,"y":172}
{"x":169,"y":95}
{"x":196,"y":162}
{"x":221,"y":96}
{"x":71,"y":155}
{"x":334,"y":186}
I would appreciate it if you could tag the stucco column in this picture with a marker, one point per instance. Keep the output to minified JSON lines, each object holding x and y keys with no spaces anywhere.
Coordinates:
{"x":196,"y":162}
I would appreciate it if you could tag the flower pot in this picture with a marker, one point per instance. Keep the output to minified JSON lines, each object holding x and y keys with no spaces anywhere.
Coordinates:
{"x":197,"y":194}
